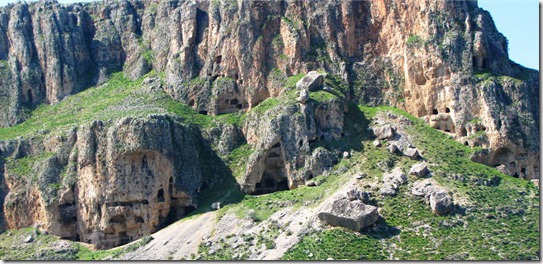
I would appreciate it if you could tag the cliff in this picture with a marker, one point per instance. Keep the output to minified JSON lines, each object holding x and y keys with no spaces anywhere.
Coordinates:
{"x":127,"y":167}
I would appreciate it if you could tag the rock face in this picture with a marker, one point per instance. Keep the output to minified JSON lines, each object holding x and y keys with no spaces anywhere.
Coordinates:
{"x":115,"y":182}
{"x":437,"y":197}
{"x":223,"y":56}
{"x":281,"y":136}
{"x":354,"y":215}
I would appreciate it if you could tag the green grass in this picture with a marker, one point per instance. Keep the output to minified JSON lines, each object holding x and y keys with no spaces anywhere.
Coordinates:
{"x":292,"y":80}
{"x":119,"y":97}
{"x":338,"y":244}
{"x":24,"y":167}
{"x":414,"y":41}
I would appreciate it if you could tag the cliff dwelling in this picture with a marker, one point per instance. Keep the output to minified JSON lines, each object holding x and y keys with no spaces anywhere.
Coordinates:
{"x":143,"y":201}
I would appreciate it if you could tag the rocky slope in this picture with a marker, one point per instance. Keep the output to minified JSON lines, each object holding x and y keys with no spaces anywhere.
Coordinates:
{"x":208,"y":97}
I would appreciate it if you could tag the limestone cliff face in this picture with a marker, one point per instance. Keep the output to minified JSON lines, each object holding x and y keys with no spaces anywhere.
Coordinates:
{"x":222,"y":56}
{"x":106,"y":184}
{"x":281,"y":136}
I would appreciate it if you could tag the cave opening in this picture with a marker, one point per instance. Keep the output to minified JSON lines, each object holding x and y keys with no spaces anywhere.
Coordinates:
{"x":234,"y":102}
{"x":485,"y":63}
{"x":463,"y":132}
{"x":274,"y":177}
{"x":501,"y":156}
{"x":466,"y":143}
{"x":435,"y":112}
{"x":218,"y":59}
{"x":123,"y":238}
{"x":176,"y":213}
{"x":240,"y":106}
{"x":191,"y":102}
{"x":160,"y":196}
{"x":447,"y":110}
{"x":30,"y":98}
{"x":202,"y":112}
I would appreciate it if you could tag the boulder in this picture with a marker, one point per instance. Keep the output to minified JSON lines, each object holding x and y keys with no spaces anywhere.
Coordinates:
{"x":346,"y":155}
{"x":313,"y":81}
{"x":419,"y":170}
{"x":384,"y":132}
{"x":216,"y":206}
{"x":412,"y":153}
{"x":393,"y":148}
{"x":304,"y":96}
{"x":440,"y":202}
{"x":312,"y":184}
{"x":437,"y":197}
{"x":354,"y":215}
{"x":359,"y":176}
{"x":376,"y":143}
{"x":29,"y":239}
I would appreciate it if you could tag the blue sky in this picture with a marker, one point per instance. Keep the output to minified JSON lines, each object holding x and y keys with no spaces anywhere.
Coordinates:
{"x":518,"y":20}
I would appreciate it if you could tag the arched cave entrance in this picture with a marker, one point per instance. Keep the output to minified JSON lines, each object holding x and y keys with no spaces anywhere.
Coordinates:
{"x":274,"y":177}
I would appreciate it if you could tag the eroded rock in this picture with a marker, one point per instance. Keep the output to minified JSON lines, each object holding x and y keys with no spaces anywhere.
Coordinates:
{"x":419,"y":170}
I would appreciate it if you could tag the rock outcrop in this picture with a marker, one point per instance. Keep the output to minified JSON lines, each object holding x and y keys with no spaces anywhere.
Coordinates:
{"x":281,"y":136}
{"x":434,"y":195}
{"x":104,"y":183}
{"x":392,"y":181}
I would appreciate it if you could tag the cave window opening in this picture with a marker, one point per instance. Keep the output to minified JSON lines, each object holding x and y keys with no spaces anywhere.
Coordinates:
{"x":448,"y":131}
{"x":310,"y":176}
{"x":300,"y":143}
{"x":139,"y":219}
{"x":435,"y":112}
{"x":485,"y":63}
{"x":236,"y":76}
{"x":117,"y":219}
{"x":202,"y":112}
{"x":463,"y":132}
{"x":234,"y":102}
{"x":474,"y":61}
{"x":191,"y":103}
{"x":466,"y":143}
{"x":523,"y":171}
{"x":516,"y":175}
{"x":218,"y":59}
{"x":160,"y":196}
{"x":484,"y":128}
{"x":226,"y":101}
{"x":447,"y":110}
{"x":30,"y":98}
{"x":240,"y":106}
